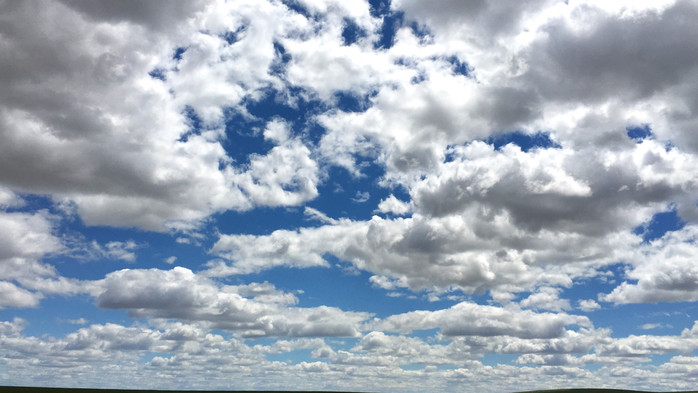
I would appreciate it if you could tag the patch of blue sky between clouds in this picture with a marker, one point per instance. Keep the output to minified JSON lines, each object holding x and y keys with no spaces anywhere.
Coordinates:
{"x":260,"y":221}
{"x":639,"y":133}
{"x":293,"y":357}
{"x":539,"y":140}
{"x":343,"y":286}
{"x":459,"y":66}
{"x":379,"y":8}
{"x":297,"y":6}
{"x":231,"y":37}
{"x":158,"y":73}
{"x":525,"y":141}
{"x":660,"y":224}
{"x":178,"y":53}
{"x":347,"y":101}
{"x":278,"y":67}
{"x":338,"y":193}
{"x":392,"y":21}
{"x":244,"y":131}
{"x":352,"y":32}
{"x":193,"y":122}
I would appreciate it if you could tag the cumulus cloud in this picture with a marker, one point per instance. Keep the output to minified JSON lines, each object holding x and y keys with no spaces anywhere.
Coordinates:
{"x":119,"y":113}
{"x":26,"y":238}
{"x":546,"y":298}
{"x":393,"y":205}
{"x":9,"y":199}
{"x":190,"y":349}
{"x":14,"y":296}
{"x":503,"y":220}
{"x":251,"y":310}
{"x":140,"y":156}
{"x":286,"y":175}
{"x":470,"y":319}
{"x":588,"y":305}
{"x":663,"y":271}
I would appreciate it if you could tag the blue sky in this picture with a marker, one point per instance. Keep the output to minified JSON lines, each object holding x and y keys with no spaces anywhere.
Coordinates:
{"x":335,"y":195}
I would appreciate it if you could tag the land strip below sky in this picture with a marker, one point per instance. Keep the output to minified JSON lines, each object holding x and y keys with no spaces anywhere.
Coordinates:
{"x":27,"y":389}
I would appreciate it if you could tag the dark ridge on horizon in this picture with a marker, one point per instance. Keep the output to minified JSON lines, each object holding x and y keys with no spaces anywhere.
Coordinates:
{"x":595,"y":390}
{"x":34,"y":389}
{"x":28,"y":389}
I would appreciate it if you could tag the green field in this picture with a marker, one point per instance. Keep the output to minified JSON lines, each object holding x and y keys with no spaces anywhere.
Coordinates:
{"x":16,"y":389}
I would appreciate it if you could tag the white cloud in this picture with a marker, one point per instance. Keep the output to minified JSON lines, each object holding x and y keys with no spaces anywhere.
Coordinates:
{"x":79,"y":321}
{"x":14,"y":296}
{"x":286,"y":175}
{"x":9,"y":199}
{"x":188,"y":350}
{"x":393,"y":205}
{"x":91,"y":147}
{"x":180,"y":294}
{"x":473,"y":251}
{"x":83,"y":123}
{"x":118,"y":250}
{"x":645,"y":345}
{"x":26,"y":238}
{"x":664,"y":269}
{"x":651,"y":326}
{"x":546,"y":298}
{"x":504,"y":220}
{"x":587,"y":305}
{"x":361,"y":197}
{"x":314,"y":214}
{"x":470,"y":319}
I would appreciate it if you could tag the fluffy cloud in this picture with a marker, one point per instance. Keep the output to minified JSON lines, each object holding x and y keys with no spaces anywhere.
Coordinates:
{"x":417,"y":252}
{"x":588,"y":305}
{"x":664,"y":271}
{"x":286,"y":175}
{"x":9,"y":199}
{"x":503,"y":220}
{"x":14,"y":296}
{"x":82,"y":142}
{"x":546,"y":298}
{"x":119,"y":113}
{"x":470,"y":319}
{"x":393,"y":205}
{"x":26,"y":238}
{"x":186,"y":349}
{"x":180,"y":294}
{"x":604,"y":63}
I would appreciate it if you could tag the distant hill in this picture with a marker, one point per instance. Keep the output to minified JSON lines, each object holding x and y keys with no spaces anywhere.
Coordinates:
{"x":597,"y":391}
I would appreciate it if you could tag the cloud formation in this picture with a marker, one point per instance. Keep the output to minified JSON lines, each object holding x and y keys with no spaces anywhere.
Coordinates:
{"x":349,"y":195}
{"x":253,"y":310}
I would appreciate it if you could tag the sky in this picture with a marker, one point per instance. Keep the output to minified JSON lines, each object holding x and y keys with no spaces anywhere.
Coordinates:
{"x":388,"y":196}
